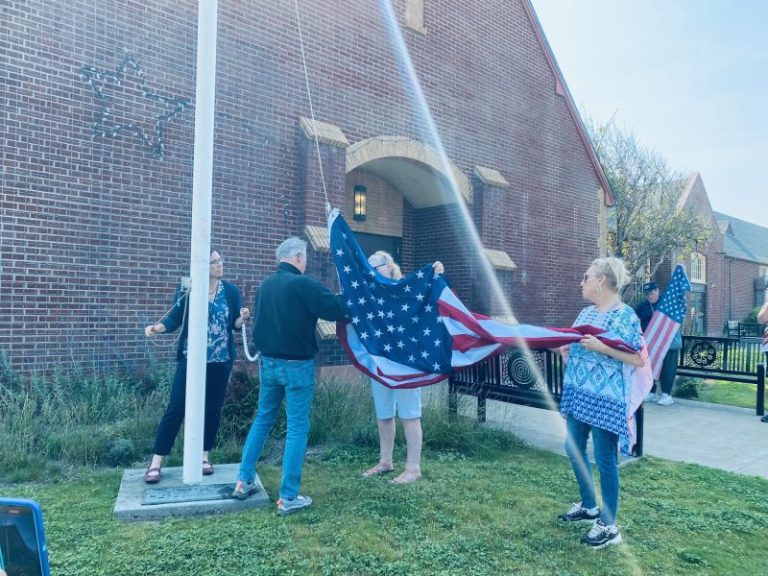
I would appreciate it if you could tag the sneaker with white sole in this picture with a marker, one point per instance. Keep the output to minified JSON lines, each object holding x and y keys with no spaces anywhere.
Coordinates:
{"x":601,"y":536}
{"x":652,"y":397}
{"x":578,"y":513}
{"x":665,"y":400}
{"x":285,"y":506}
{"x":244,"y":490}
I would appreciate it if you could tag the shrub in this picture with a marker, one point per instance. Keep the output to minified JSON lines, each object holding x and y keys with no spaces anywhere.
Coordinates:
{"x":53,"y":423}
{"x":687,"y":387}
{"x":751,"y":316}
{"x":75,"y":418}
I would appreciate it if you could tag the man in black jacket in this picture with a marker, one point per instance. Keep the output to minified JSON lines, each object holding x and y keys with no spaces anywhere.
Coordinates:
{"x":288,"y":305}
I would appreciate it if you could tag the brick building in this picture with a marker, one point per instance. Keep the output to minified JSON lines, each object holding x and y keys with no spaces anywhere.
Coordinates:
{"x":704,"y":267}
{"x":96,"y":181}
{"x":745,"y":265}
{"x":729,"y":275}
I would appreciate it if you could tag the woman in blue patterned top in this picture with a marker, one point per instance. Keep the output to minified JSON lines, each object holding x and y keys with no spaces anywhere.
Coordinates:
{"x":225,"y":313}
{"x":596,"y":395}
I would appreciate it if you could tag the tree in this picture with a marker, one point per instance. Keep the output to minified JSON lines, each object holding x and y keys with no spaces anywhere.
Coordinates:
{"x":648,"y":224}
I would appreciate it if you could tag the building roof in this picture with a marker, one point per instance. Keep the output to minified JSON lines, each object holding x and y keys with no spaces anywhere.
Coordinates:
{"x":744,"y":240}
{"x":562,"y":88}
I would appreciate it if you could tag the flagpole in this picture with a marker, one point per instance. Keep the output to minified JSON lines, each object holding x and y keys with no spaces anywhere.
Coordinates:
{"x":202,"y":180}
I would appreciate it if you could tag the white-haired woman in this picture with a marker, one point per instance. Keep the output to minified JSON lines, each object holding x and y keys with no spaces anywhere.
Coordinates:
{"x":405,"y":403}
{"x":595,"y":397}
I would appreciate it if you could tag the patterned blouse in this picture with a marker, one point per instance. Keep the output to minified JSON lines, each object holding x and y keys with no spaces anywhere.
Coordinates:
{"x":218,"y":328}
{"x":596,"y":389}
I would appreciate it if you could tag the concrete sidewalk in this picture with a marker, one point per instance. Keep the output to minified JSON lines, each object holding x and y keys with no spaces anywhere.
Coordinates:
{"x":712,"y":435}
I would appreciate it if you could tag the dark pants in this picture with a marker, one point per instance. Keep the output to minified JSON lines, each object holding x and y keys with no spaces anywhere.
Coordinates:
{"x":216,"y":379}
{"x":668,"y":371}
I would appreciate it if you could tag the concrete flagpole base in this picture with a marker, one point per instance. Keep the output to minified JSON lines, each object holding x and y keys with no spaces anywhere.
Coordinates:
{"x":137,"y":501}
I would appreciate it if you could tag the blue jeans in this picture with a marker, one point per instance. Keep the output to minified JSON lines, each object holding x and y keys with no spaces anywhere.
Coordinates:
{"x":605,"y":444}
{"x":669,"y":371}
{"x":293,"y":380}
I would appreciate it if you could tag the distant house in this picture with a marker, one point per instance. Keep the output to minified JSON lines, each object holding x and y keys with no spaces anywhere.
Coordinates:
{"x":704,"y":266}
{"x":746,"y":265}
{"x":729,"y":275}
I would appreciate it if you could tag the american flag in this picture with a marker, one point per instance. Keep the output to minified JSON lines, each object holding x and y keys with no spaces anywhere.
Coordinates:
{"x":667,"y":318}
{"x":415,"y":331}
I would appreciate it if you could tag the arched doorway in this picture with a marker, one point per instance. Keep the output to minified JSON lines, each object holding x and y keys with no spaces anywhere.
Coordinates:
{"x":401,"y":179}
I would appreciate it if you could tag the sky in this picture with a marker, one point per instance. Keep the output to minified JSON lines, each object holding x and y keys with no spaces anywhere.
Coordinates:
{"x":688,"y":77}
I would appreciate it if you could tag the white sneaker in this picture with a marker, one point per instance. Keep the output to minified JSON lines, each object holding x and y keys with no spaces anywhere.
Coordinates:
{"x":665,"y":400}
{"x":652,"y":397}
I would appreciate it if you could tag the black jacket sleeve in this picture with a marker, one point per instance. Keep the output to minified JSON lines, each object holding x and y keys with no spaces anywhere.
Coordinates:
{"x":173,"y":319}
{"x":323,"y":303}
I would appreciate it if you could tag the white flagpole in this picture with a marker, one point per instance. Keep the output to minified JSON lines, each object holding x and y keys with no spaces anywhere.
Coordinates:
{"x":202,"y":181}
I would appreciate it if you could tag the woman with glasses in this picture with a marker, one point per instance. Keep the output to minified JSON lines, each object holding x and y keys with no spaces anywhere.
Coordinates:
{"x":225,"y":313}
{"x":596,"y":395}
{"x":406,"y":402}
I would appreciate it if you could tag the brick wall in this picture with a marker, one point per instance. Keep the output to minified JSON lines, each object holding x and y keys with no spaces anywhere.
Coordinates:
{"x":741,"y":276}
{"x":384,"y":205}
{"x":717,"y":282}
{"x":95,"y":230}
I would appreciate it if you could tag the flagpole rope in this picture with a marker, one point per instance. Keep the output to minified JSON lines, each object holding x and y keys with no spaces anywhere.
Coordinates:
{"x":311,"y":108}
{"x":243,"y":331}
{"x":251,"y":358}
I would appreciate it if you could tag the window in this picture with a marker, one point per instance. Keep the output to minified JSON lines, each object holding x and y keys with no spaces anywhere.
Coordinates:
{"x":698,"y":268}
{"x":414,"y":15}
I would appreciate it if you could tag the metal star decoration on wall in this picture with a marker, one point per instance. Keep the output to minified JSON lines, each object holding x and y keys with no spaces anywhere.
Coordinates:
{"x":107,"y":125}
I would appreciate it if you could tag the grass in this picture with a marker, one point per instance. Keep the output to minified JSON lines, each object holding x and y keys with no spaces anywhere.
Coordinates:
{"x":717,"y":391}
{"x":478,"y":515}
{"x":730,"y":393}
{"x":486,"y":505}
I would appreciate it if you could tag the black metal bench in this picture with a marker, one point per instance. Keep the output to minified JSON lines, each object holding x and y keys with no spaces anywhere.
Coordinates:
{"x":535,"y":378}
{"x":529,"y":378}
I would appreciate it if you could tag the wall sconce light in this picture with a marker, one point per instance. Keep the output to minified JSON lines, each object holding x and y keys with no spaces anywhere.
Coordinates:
{"x":360,"y":199}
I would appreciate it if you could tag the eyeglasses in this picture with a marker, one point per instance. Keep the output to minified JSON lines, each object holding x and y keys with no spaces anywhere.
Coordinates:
{"x":217,"y":261}
{"x":381,"y":265}
{"x":586,"y":277}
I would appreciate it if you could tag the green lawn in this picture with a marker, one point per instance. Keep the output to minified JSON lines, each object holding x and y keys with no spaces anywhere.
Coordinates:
{"x":489,"y":514}
{"x":730,"y":393}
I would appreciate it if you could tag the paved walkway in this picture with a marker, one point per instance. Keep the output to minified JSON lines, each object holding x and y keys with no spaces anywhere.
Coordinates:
{"x":712,"y":435}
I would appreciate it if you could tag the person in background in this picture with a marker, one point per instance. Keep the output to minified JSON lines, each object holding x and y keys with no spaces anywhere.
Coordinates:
{"x":762,"y":318}
{"x":668,"y":372}
{"x":405,"y":402}
{"x":225,"y":313}
{"x":594,"y":400}
{"x":288,"y":305}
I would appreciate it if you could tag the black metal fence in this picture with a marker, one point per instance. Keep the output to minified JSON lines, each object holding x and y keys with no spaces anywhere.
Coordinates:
{"x":535,"y":378}
{"x":725,"y":359}
{"x":736,"y":329}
